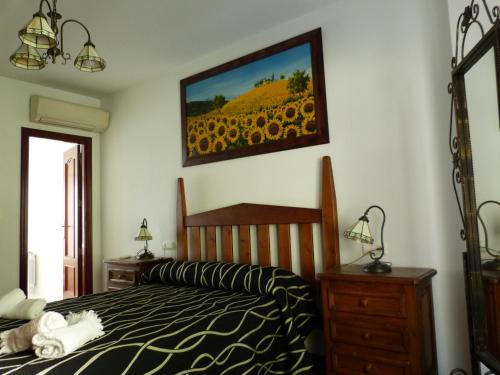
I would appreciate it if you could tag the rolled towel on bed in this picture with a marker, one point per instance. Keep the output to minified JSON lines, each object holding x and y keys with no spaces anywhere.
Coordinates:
{"x":57,"y":343}
{"x":27,"y":309}
{"x":11,"y":299}
{"x":19,"y":339}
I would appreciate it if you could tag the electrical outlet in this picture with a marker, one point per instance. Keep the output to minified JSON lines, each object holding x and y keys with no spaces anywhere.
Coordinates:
{"x":169,"y":245}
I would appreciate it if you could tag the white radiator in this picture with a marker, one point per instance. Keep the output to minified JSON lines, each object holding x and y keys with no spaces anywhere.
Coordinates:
{"x":31,"y":271}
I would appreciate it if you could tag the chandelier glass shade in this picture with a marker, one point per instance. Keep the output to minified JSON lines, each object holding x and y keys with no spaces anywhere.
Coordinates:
{"x":27,"y":57}
{"x":88,"y":60}
{"x":40,"y":34}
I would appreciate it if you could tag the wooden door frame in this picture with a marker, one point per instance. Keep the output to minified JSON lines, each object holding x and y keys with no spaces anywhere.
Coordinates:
{"x":86,"y":257}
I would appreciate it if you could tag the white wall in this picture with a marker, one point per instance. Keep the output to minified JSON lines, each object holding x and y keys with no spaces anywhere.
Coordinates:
{"x":14,"y":114}
{"x":46,"y":216}
{"x":386,"y":71}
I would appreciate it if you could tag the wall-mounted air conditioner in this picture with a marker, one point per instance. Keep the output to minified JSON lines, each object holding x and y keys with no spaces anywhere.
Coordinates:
{"x":56,"y":112}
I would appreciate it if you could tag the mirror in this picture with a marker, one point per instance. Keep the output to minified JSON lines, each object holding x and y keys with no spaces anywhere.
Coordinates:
{"x":484,"y":128}
{"x":475,"y":88}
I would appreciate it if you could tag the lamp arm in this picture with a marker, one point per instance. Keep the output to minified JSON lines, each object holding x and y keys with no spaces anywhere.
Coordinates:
{"x":484,"y":226}
{"x":62,"y":35}
{"x":41,"y":6}
{"x":382,"y":227}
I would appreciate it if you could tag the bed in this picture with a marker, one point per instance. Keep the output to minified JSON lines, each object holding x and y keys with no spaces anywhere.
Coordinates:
{"x":205,"y":313}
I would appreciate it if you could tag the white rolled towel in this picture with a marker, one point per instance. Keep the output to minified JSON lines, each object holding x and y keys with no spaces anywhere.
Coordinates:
{"x":82,"y":328}
{"x":27,"y":309}
{"x":11,"y":299}
{"x":19,"y":339}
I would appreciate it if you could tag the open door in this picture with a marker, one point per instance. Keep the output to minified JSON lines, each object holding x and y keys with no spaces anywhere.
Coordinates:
{"x":77,"y":271}
{"x":72,"y":265}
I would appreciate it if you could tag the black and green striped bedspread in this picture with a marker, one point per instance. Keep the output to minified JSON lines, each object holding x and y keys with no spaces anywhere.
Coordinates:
{"x":190,"y":318}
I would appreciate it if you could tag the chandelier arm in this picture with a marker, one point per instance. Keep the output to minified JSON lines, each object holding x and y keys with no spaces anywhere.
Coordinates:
{"x":74,"y":21}
{"x":382,"y":227}
{"x":484,"y":226}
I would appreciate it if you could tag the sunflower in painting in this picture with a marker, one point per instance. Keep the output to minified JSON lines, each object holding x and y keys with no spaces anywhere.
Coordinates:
{"x":290,"y":112}
{"x":255,"y":136}
{"x":309,"y":126}
{"x":192,"y":140}
{"x":292,"y":131}
{"x":273,"y":130}
{"x":307,"y":108}
{"x":261,"y":120}
{"x":203,"y":145}
{"x":233,"y":133}
{"x":219,"y":144}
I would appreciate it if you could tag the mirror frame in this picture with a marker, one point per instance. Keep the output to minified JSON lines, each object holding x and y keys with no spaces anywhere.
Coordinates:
{"x":472,"y":258}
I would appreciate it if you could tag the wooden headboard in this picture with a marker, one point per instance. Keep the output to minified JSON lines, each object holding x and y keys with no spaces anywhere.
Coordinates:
{"x":262,"y":216}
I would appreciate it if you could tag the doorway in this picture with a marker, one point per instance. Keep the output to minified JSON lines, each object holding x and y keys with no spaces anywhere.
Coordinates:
{"x":56,"y":212}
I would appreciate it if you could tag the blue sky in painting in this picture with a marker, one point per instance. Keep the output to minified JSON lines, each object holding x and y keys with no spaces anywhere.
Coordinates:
{"x":240,"y":80}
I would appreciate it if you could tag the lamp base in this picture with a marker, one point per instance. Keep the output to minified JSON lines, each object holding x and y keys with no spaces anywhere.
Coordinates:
{"x":144,"y":254}
{"x":492,"y":265}
{"x":377,"y":267}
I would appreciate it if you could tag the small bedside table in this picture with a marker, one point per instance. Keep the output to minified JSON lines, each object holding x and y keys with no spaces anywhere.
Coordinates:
{"x":122,"y":273}
{"x":378,"y":323}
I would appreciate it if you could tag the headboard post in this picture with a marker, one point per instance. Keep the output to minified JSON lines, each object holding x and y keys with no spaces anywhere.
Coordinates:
{"x":182,"y":248}
{"x":330,"y":228}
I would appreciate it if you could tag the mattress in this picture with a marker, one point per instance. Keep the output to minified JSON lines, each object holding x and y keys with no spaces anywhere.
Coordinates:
{"x":189,"y":318}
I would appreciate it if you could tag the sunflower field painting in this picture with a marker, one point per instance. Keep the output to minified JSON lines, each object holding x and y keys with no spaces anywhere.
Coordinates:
{"x":271,"y":100}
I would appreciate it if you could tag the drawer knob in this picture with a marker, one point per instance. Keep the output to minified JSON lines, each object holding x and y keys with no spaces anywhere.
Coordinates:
{"x":368,"y":367}
{"x":367,"y":336}
{"x":363,"y":302}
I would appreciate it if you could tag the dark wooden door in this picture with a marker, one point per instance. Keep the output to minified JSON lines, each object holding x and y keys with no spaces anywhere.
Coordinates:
{"x":72,"y":222}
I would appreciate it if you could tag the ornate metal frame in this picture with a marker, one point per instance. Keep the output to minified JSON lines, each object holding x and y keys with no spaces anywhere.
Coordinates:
{"x":462,"y":171}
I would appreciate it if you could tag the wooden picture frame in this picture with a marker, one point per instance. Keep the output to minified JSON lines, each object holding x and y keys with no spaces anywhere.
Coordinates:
{"x":270,"y":100}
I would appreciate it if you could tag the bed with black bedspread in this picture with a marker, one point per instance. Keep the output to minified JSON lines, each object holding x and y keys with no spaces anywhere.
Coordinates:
{"x":190,"y":318}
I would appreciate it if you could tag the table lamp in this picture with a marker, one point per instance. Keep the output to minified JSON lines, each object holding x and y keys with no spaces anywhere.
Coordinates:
{"x":360,"y":232}
{"x":144,"y":235}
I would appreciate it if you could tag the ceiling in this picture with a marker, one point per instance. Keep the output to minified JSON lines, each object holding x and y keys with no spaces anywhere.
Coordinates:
{"x":138,"y":38}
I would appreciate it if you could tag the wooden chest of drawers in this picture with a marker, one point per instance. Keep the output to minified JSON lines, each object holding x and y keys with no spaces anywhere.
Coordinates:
{"x":122,"y":273}
{"x":379,"y":324}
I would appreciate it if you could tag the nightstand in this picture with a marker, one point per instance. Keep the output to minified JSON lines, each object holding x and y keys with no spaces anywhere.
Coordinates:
{"x":122,"y":273}
{"x":379,"y":323}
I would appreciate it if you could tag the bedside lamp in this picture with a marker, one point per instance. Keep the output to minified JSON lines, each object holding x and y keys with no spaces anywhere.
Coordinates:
{"x":360,"y":232}
{"x":494,"y":264}
{"x":144,"y":235}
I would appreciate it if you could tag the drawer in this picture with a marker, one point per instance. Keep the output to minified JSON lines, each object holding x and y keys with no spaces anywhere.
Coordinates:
{"x":121,"y":276}
{"x":358,"y":330}
{"x":367,"y":298}
{"x":354,"y":361}
{"x":357,"y":287}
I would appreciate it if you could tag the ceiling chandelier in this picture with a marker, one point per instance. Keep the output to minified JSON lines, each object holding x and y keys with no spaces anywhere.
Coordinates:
{"x":38,"y":34}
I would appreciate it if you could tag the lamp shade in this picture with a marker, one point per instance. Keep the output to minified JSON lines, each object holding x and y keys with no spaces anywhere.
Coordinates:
{"x":27,"y":57}
{"x":88,"y":60}
{"x":144,"y":234}
{"x":360,"y":231}
{"x":38,"y":33}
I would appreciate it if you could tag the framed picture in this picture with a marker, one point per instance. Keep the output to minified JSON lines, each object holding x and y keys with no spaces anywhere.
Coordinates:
{"x":270,"y":100}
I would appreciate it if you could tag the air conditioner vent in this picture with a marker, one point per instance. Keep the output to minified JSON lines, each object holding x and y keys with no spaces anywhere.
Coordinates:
{"x":57,"y":112}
